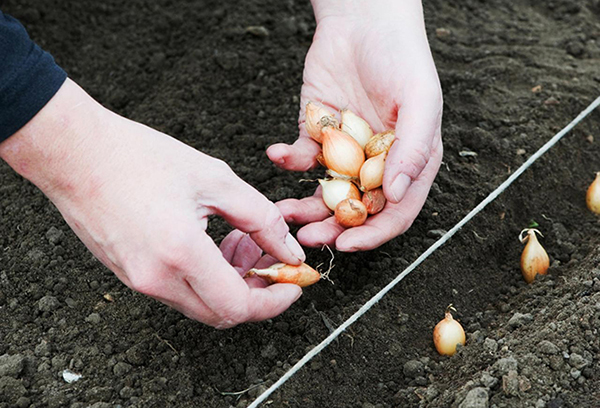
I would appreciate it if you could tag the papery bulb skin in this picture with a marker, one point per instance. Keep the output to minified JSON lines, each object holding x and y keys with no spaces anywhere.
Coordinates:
{"x":380,"y":143}
{"x":342,"y":153}
{"x":318,"y":117}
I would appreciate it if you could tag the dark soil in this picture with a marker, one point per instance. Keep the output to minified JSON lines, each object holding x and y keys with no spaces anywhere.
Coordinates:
{"x":189,"y":68}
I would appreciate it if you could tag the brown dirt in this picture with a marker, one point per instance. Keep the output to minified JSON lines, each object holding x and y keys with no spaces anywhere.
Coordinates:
{"x":191,"y":70}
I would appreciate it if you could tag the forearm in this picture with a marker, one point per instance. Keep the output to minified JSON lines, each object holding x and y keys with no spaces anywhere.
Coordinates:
{"x":50,"y":150}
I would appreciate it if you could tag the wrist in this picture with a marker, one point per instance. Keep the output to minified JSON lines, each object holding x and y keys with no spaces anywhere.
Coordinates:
{"x":367,"y":9}
{"x":50,"y":150}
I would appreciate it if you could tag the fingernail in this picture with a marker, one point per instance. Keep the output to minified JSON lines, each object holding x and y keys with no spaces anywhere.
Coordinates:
{"x":399,"y":187}
{"x":294,"y":247}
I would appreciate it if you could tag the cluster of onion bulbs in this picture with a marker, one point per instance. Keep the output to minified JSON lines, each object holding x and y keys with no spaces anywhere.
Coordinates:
{"x":355,"y":160}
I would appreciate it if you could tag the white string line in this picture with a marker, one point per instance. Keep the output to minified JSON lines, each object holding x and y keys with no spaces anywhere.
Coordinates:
{"x":316,"y":350}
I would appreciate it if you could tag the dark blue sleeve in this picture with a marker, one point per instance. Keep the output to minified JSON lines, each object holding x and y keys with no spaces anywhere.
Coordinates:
{"x":29,"y":77}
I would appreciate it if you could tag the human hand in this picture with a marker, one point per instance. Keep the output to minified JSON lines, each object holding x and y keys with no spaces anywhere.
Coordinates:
{"x":373,"y":58}
{"x":139,"y":200}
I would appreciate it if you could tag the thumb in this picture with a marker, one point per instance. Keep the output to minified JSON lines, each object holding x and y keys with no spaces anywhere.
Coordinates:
{"x":416,"y":129}
{"x":246,"y":209}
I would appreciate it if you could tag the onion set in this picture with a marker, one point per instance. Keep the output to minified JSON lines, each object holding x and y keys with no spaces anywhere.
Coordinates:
{"x":301,"y":275}
{"x":592,"y":198}
{"x":447,"y":334}
{"x":380,"y":143}
{"x":356,"y":127}
{"x":374,"y":200}
{"x":318,"y":117}
{"x":534,"y":259}
{"x":341,"y":152}
{"x":350,"y":213}
{"x":371,"y":173}
{"x":336,"y":190}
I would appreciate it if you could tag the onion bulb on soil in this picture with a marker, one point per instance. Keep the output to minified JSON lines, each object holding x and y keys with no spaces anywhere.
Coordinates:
{"x":350,"y":213}
{"x":318,"y":117}
{"x":356,"y":127}
{"x":534,"y":258}
{"x":336,"y":190}
{"x":371,"y":172}
{"x":592,"y":198}
{"x":341,"y":152}
{"x":447,"y":334}
{"x":301,"y":275}
{"x":380,"y":143}
{"x":374,"y":200}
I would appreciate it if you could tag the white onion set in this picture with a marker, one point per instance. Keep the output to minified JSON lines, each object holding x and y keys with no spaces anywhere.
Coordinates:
{"x":356,"y":127}
{"x":337,"y":190}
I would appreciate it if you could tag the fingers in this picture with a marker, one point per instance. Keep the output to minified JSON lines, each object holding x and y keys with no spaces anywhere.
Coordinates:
{"x":300,"y":156}
{"x":319,"y":233}
{"x":246,"y":209}
{"x":225,"y":293}
{"x":303,"y":211}
{"x":418,"y":123}
{"x":230,"y":243}
{"x":395,"y":219}
{"x":240,"y":251}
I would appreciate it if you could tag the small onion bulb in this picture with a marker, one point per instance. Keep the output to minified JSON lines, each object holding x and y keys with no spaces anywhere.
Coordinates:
{"x":318,"y":117}
{"x":356,"y":127}
{"x":371,"y":172}
{"x":447,"y":334}
{"x":341,"y":152}
{"x":301,"y":275}
{"x":380,"y":143}
{"x":374,"y":200}
{"x":336,"y":190}
{"x":350,"y":213}
{"x":534,"y":258}
{"x":592,"y":198}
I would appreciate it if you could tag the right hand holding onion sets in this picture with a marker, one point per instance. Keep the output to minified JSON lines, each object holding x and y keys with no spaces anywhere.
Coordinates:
{"x":355,"y":162}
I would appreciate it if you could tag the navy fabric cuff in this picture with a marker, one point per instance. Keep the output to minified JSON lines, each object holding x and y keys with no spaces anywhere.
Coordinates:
{"x":29,"y":77}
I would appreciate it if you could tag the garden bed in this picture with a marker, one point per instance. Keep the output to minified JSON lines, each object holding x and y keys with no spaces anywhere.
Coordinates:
{"x":513,"y":74}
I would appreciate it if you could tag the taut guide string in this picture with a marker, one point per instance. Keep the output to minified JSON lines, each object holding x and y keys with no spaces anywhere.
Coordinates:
{"x":493,"y":195}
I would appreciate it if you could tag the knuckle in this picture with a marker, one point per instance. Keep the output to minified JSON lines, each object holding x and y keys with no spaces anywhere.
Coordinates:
{"x":174,"y":251}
